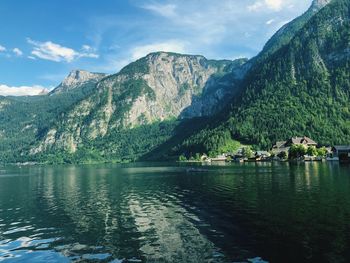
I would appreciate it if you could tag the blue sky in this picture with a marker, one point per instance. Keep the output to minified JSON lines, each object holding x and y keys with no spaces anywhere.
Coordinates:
{"x":41,"y":41}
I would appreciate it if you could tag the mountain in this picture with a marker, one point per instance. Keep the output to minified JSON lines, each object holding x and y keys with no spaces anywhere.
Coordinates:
{"x":287,"y":32}
{"x":161,"y":87}
{"x":168,"y":104}
{"x":44,"y":92}
{"x":318,"y":4}
{"x":303,"y":88}
{"x":77,"y":79}
{"x":24,"y":118}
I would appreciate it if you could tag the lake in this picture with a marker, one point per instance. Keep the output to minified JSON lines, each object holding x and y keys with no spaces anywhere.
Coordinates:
{"x":264,"y":212}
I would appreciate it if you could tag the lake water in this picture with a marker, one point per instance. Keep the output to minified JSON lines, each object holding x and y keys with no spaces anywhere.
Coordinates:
{"x":166,"y":213}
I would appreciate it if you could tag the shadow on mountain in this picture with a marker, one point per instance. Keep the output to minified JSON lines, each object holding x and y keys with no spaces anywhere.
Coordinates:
{"x":168,"y":149}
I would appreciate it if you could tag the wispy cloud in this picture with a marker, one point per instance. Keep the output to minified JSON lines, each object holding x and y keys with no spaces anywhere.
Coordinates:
{"x":57,"y":53}
{"x":88,"y":48}
{"x":17,"y":52}
{"x":2,"y":48}
{"x":275,"y":5}
{"x":269,"y":22}
{"x":22,"y":90}
{"x":166,"y":10}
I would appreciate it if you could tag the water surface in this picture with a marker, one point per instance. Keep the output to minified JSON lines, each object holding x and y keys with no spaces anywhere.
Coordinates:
{"x":167,"y":213}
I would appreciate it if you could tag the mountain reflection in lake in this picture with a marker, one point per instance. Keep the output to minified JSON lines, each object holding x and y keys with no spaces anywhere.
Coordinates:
{"x":163,"y":213}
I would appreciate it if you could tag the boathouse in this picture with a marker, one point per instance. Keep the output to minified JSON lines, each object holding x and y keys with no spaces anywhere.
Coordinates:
{"x":342,"y":152}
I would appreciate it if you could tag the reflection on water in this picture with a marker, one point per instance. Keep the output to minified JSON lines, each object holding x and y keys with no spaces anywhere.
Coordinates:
{"x":163,"y":213}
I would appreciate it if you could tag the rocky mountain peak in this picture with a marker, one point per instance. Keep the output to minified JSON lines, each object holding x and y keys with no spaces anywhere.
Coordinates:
{"x":77,"y":78}
{"x":164,"y":58}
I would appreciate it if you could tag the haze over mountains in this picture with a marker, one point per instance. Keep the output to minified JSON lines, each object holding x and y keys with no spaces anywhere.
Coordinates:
{"x":168,"y":104}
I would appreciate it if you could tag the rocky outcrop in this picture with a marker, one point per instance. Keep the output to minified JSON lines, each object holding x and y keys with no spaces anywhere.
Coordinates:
{"x":3,"y":103}
{"x":76,"y":79}
{"x":318,"y":4}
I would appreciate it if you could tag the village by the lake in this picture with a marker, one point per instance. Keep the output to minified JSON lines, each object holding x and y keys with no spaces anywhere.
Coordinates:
{"x":295,"y":149}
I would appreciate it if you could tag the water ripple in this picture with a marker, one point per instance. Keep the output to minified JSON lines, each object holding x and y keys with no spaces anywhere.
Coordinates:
{"x":163,"y":214}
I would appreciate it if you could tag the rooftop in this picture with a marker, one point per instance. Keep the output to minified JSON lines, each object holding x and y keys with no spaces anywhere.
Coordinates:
{"x":342,"y":147}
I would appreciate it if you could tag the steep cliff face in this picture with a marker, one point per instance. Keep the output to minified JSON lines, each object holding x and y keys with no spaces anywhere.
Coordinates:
{"x":76,"y":79}
{"x":158,"y":87}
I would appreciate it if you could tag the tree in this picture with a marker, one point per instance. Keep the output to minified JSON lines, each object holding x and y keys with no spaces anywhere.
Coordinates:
{"x":182,"y":158}
{"x":297,"y":151}
{"x":247,"y":152}
{"x":312,"y":151}
{"x":322,"y":152}
{"x":282,"y":155}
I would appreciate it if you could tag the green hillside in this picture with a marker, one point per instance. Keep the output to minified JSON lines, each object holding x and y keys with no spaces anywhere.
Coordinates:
{"x":301,"y":89}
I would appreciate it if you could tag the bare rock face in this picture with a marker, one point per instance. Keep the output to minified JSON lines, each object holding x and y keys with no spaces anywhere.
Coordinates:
{"x":179,"y":83}
{"x":318,"y":4}
{"x":157,"y":87}
{"x":77,"y":78}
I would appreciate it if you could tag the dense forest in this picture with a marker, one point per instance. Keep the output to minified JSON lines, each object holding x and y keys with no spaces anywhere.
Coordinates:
{"x":24,"y":119}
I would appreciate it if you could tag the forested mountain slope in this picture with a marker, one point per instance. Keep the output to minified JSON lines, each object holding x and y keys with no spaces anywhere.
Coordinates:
{"x":301,"y":89}
{"x":284,"y":35}
{"x":23,"y":119}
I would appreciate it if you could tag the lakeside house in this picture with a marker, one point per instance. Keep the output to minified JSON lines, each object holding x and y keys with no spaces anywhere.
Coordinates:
{"x":220,"y":158}
{"x":284,"y":150}
{"x":342,"y":152}
{"x":262,"y":156}
{"x":284,"y":146}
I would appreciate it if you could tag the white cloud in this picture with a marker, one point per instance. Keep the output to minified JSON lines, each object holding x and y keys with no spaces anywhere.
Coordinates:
{"x":166,"y":10}
{"x":256,"y":6}
{"x":2,"y":48}
{"x":17,"y":52}
{"x":169,"y":46}
{"x":275,"y":5}
{"x":51,"y":51}
{"x":88,"y":48}
{"x":22,"y":90}
{"x":55,"y":52}
{"x":269,"y":22}
{"x":88,"y":55}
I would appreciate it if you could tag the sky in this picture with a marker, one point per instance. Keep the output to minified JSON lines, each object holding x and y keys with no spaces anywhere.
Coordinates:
{"x":42,"y":41}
